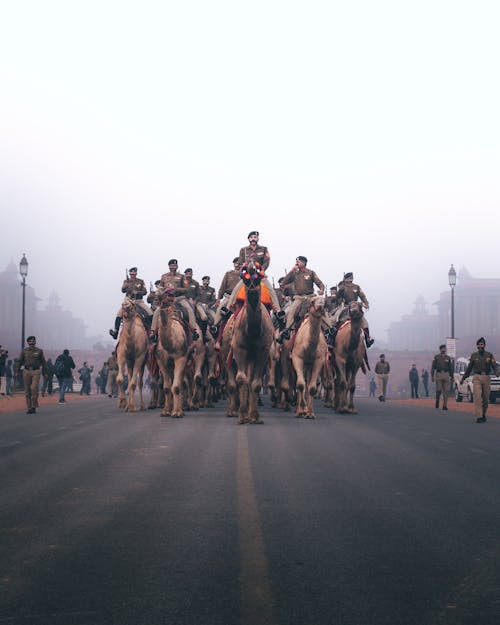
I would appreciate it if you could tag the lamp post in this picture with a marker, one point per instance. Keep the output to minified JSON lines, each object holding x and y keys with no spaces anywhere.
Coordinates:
{"x":452,"y":348}
{"x":452,"y":281}
{"x":23,"y":270}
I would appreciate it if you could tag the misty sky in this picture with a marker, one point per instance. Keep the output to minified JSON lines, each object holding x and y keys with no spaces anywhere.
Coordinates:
{"x":364,"y":135}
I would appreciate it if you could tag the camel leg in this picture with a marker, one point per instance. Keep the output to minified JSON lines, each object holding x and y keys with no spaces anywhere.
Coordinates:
{"x":180,"y":365}
{"x":253,"y":412}
{"x":243,"y":392}
{"x":300,"y":385}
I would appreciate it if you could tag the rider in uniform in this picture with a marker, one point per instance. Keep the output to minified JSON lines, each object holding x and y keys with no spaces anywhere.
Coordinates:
{"x":350,"y":292}
{"x":135,"y":289}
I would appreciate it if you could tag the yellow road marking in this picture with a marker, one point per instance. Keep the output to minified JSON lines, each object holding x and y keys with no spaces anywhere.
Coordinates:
{"x":255,"y":586}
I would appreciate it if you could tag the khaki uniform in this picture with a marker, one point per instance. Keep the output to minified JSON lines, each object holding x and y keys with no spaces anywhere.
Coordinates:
{"x":382,"y":369}
{"x":135,"y":290}
{"x":205,"y":303}
{"x":229,"y":281}
{"x":258,"y":254}
{"x":176,"y":281}
{"x":33,"y":361}
{"x":347,"y":293}
{"x":261,"y":255}
{"x":303,"y":281}
{"x":481,"y":364}
{"x":442,"y":373}
{"x":112,"y":373}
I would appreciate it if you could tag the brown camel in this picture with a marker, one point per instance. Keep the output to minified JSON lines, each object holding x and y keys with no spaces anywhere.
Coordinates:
{"x":250,"y":344}
{"x":308,"y":357}
{"x":349,"y":353}
{"x":131,"y":353}
{"x":172,"y":354}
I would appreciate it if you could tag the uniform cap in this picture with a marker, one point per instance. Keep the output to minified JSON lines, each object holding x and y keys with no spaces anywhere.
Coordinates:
{"x":188,"y":270}
{"x":254,"y":232}
{"x":333,"y":288}
{"x":66,"y":352}
{"x":31,"y":338}
{"x":382,"y":356}
{"x":442,"y":346}
{"x":348,"y":275}
{"x":481,"y":340}
{"x":133,"y":269}
{"x":302,"y":258}
{"x":206,"y":278}
{"x":172,"y":261}
{"x":235,"y":260}
{"x":157,"y":282}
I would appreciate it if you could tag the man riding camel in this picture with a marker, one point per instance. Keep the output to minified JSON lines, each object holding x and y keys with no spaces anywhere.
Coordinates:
{"x":303,"y":281}
{"x":135,"y":289}
{"x":349,"y":292}
{"x":256,"y":253}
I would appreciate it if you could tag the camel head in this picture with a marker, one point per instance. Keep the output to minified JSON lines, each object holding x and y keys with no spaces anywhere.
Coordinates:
{"x":355,"y":311}
{"x":317,"y":306}
{"x":128,"y":308}
{"x":252,"y":274}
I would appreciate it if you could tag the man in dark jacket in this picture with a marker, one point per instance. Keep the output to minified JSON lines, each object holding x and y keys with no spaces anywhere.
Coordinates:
{"x":63,"y":367}
{"x":413,"y":376}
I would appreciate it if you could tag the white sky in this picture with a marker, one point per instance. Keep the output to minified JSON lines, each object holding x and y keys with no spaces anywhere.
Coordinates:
{"x":363,"y":135}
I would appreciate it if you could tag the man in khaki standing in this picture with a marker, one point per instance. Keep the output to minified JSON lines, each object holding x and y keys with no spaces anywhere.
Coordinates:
{"x":442,"y":374}
{"x":112,"y":373}
{"x":33,"y":362}
{"x":481,"y":364}
{"x":382,"y":369}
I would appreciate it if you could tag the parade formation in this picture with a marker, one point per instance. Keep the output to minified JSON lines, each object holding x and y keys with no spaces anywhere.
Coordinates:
{"x":198,"y":343}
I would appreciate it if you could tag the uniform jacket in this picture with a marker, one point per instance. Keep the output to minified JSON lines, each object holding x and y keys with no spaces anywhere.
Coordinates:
{"x":229,"y":281}
{"x":484,"y":363}
{"x":32,"y":358}
{"x":441,"y":363}
{"x":303,"y":281}
{"x":351,"y":293}
{"x":259,"y":254}
{"x":136,"y":289}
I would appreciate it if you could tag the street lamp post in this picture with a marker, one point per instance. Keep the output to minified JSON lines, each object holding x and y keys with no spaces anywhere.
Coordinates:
{"x":452,"y":281}
{"x":23,"y":270}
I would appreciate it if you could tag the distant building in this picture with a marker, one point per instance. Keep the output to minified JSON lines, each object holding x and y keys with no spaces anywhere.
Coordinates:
{"x":477,"y":309}
{"x":54,"y":327}
{"x":477,"y":313}
{"x":418,"y":331}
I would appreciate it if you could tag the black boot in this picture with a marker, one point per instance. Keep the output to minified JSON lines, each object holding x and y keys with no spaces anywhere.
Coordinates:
{"x":114,"y":333}
{"x":369,"y":341}
{"x":214,"y":331}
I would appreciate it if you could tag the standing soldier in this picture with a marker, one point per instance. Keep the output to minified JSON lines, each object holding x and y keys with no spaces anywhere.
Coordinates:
{"x":481,"y":363}
{"x":350,"y":292}
{"x":112,"y":373}
{"x":382,"y":369}
{"x":135,"y":289}
{"x":442,"y":374}
{"x":33,"y":361}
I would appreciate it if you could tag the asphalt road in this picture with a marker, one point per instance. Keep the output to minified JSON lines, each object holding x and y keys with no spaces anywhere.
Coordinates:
{"x":389,"y":517}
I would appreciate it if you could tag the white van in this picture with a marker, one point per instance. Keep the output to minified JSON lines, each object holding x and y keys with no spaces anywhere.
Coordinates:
{"x":465,"y":389}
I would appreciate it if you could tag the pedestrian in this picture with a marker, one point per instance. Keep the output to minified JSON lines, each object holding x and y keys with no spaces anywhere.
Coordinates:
{"x":47,"y":381}
{"x":425,"y":381}
{"x":63,"y":369}
{"x":85,"y":376}
{"x":112,"y":373}
{"x":373,"y":386}
{"x":413,"y":376}
{"x":442,"y":374}
{"x":32,"y":361}
{"x":3,"y":360}
{"x":481,"y":363}
{"x":8,"y":378}
{"x":382,"y":369}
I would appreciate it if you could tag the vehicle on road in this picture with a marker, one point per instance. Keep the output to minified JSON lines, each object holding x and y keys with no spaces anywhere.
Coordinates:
{"x":465,"y":390}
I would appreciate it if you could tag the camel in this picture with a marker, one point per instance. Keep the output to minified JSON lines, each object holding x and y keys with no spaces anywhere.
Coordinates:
{"x":193,"y":374}
{"x":309,"y":353}
{"x":349,"y":354}
{"x":250,"y":344}
{"x":172,"y":355}
{"x":131,"y":353}
{"x":228,"y":368}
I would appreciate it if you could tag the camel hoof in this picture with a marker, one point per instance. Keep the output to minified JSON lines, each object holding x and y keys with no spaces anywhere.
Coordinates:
{"x":241,"y":421}
{"x":257,"y":421}
{"x":310,"y":416}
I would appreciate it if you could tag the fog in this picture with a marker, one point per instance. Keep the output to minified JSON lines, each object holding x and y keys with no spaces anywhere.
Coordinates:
{"x":363,"y":135}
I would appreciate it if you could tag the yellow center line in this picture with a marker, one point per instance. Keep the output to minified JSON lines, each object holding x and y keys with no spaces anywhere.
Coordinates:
{"x":255,"y":586}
